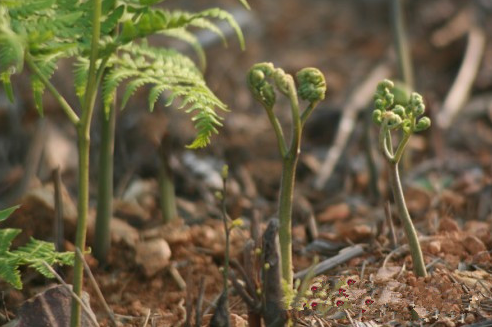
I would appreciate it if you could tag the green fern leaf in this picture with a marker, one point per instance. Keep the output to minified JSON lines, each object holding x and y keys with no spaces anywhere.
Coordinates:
{"x":184,"y":35}
{"x":6,"y":237}
{"x":7,"y":86}
{"x":36,"y":252}
{"x":9,"y":271}
{"x":5,"y":213}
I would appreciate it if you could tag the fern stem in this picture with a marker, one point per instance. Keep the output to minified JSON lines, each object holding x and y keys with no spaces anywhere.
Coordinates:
{"x":402,"y":48}
{"x":413,"y":241}
{"x":59,"y":98}
{"x":83,"y":132}
{"x":287,"y":190}
{"x":278,"y":131}
{"x":105,"y":186}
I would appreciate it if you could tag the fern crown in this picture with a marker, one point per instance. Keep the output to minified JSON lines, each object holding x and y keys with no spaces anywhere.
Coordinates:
{"x":45,"y":31}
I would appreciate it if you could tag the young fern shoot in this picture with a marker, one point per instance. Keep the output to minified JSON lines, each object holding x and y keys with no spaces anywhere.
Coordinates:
{"x":312,"y":88}
{"x":407,"y":119}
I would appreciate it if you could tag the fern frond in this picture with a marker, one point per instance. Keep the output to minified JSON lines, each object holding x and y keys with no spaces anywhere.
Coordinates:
{"x":166,"y":70}
{"x":6,"y":237}
{"x":35,"y":252}
{"x":9,"y":271}
{"x":188,"y":37}
{"x":147,"y":21}
{"x":7,"y":86}
{"x":5,"y":213}
{"x":46,"y":68}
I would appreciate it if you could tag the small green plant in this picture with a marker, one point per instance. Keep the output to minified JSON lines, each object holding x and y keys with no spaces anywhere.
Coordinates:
{"x":311,"y":88}
{"x":392,"y":117}
{"x":34,"y":254}
{"x":103,"y":37}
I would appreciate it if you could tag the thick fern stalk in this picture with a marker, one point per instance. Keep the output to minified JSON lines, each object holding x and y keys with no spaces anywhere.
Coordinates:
{"x":83,"y":133}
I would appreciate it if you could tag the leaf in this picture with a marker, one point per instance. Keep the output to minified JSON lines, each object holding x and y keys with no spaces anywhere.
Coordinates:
{"x":9,"y":272}
{"x":7,"y":86}
{"x":6,"y":237}
{"x":5,"y":213}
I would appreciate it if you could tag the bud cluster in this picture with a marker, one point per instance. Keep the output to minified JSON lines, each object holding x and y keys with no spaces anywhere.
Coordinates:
{"x":406,"y":116}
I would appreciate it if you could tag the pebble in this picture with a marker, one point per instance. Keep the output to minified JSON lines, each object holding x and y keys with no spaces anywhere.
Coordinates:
{"x":474,"y":245}
{"x":434,"y":247}
{"x":153,"y":255}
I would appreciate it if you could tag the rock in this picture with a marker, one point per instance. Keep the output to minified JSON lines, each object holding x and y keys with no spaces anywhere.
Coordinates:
{"x":131,"y":212}
{"x":354,"y":230}
{"x":434,"y":247}
{"x":447,"y":224}
{"x":480,"y":229}
{"x":121,"y":231}
{"x":52,"y":308}
{"x":334,"y":212}
{"x":153,"y":255}
{"x":235,"y":320}
{"x":473,"y":245}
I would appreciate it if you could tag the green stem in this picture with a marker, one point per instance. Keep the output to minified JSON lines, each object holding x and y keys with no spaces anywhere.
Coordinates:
{"x":401,"y":147}
{"x":402,"y":48}
{"x":227,"y":247}
{"x":167,"y":194}
{"x":83,"y":132}
{"x":285,"y":216}
{"x":278,"y":131}
{"x":58,"y":97}
{"x":287,"y":191}
{"x":82,"y":209}
{"x":105,"y":186}
{"x":413,"y":241}
{"x":306,"y":113}
{"x":385,"y":142}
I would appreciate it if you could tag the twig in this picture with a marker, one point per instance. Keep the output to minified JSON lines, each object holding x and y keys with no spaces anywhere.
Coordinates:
{"x":344,"y":255}
{"x":387,"y":212}
{"x":459,"y":92}
{"x":99,"y":294}
{"x":241,"y":291}
{"x":147,"y":317}
{"x":177,"y":277}
{"x":199,"y":303}
{"x":357,"y":101}
{"x":92,"y":319}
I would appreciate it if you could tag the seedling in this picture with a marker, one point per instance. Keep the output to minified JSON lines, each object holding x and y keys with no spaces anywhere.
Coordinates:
{"x":39,"y":33}
{"x":34,"y":254}
{"x":312,"y":88}
{"x":392,"y":117}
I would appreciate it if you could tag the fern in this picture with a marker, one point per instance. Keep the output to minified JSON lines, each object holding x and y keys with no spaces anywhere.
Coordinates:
{"x":165,"y":70}
{"x":33,"y":254}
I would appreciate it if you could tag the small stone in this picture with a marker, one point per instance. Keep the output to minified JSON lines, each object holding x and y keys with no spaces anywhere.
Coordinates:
{"x":447,"y":224}
{"x":412,"y":281}
{"x":480,"y":229}
{"x":153,"y":255}
{"x":470,"y":318}
{"x":482,"y":258}
{"x":340,"y":211}
{"x":434,"y":247}
{"x":51,"y":308}
{"x":474,"y":245}
{"x":121,"y":231}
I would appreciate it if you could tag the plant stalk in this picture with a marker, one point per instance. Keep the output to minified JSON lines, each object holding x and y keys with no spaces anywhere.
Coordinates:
{"x":167,"y":195}
{"x":105,"y":186}
{"x":285,"y":216}
{"x":401,"y":42}
{"x":411,"y":233}
{"x":83,"y":133}
{"x":82,"y":210}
